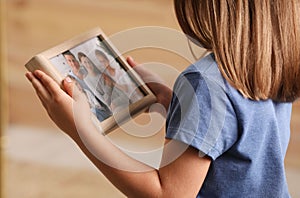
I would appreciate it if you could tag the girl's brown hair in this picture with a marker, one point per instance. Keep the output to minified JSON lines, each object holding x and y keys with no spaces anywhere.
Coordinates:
{"x":256,"y":43}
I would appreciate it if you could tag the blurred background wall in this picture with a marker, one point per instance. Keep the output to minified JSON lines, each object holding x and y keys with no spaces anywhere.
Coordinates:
{"x":38,"y":160}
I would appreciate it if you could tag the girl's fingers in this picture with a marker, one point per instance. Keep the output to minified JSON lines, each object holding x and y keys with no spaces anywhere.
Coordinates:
{"x":131,"y":62}
{"x":29,"y":76}
{"x":47,"y":82}
{"x":41,"y":91}
{"x":139,"y":69}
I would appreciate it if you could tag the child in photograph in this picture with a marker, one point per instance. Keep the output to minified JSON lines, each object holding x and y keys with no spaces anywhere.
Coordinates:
{"x":228,"y":115}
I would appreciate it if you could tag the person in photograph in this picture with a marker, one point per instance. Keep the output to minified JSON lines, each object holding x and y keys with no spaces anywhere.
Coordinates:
{"x":93,"y":73}
{"x":79,"y":73}
{"x":96,"y":107}
{"x":77,"y":70}
{"x":116,"y":74}
{"x":119,"y":76}
{"x":101,"y":83}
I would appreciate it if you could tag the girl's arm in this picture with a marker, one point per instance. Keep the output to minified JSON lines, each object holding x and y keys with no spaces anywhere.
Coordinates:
{"x":179,"y":177}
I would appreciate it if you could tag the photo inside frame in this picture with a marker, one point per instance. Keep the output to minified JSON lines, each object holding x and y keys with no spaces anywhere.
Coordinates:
{"x":101,"y":75}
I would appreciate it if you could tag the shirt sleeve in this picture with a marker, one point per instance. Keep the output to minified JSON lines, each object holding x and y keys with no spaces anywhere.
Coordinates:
{"x":198,"y":113}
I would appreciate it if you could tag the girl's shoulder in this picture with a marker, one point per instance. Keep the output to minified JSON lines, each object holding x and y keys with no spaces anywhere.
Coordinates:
{"x":204,"y":71}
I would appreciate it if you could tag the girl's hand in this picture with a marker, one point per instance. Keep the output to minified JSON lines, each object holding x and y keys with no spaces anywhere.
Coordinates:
{"x":59,"y":104}
{"x":155,"y":83}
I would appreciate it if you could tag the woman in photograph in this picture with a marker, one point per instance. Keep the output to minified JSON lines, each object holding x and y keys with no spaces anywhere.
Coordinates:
{"x":119,"y":76}
{"x":94,"y":74}
{"x":103,"y":86}
{"x":97,"y":107}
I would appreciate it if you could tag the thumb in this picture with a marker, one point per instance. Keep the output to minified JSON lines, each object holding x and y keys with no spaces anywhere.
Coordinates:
{"x":73,"y":89}
{"x":80,"y":105}
{"x":68,"y":85}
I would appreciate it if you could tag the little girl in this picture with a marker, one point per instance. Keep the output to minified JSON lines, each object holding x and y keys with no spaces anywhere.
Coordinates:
{"x":227,"y":128}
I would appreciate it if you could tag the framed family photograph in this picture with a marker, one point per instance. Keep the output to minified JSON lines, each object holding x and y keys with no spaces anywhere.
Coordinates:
{"x":113,"y":89}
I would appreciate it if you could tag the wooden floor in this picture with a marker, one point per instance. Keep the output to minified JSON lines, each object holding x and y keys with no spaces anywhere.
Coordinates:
{"x":32,"y":26}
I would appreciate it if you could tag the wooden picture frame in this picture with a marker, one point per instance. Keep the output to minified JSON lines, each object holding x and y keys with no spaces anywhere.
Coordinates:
{"x":114,"y":90}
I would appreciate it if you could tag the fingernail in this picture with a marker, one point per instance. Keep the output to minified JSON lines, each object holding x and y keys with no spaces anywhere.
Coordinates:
{"x":129,"y":58}
{"x":68,"y":79}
